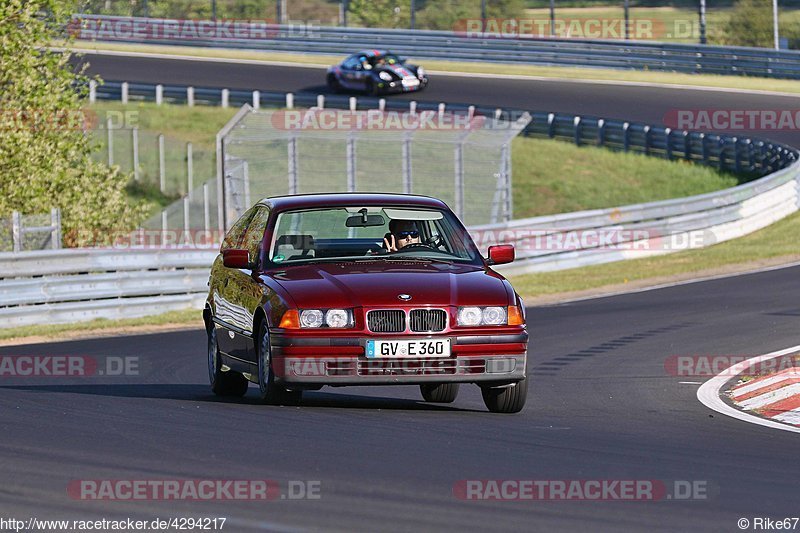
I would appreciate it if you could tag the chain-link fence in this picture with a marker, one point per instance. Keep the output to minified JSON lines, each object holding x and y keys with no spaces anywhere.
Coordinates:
{"x":20,"y":232}
{"x":463,"y":159}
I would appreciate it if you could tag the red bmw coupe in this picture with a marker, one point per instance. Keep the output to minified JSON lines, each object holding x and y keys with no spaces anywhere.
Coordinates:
{"x":362,"y":289}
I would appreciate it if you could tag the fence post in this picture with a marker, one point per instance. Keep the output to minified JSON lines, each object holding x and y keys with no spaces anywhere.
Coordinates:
{"x":668,"y":143}
{"x":135,"y":145}
{"x":292,"y":152}
{"x":289,"y":101}
{"x":124,"y":92}
{"x":647,"y":140}
{"x":459,"y":179}
{"x":737,"y":160}
{"x":190,"y":96}
{"x":353,"y":103}
{"x":92,"y":91}
{"x":382,"y":104}
{"x":406,"y":156}
{"x":412,"y":107}
{"x":351,"y":163}
{"x":256,"y":99}
{"x":441,"y":110}
{"x":246,"y":184}
{"x":162,"y":171}
{"x":722,"y":145}
{"x":601,"y":132}
{"x":577,"y":133}
{"x":551,"y":125}
{"x":189,"y":170}
{"x":16,"y":230}
{"x":163,"y":225}
{"x":206,"y":209}
{"x":626,"y":136}
{"x":110,"y":141}
{"x":225,"y":98}
{"x":498,"y":113}
{"x":186,"y":214}
{"x":55,"y":222}
{"x":687,"y":146}
{"x":321,"y":101}
{"x":703,"y":148}
{"x":159,"y":94}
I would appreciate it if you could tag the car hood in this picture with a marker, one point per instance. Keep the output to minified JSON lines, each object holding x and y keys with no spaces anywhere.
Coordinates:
{"x":379,"y":284}
{"x":403,"y":71}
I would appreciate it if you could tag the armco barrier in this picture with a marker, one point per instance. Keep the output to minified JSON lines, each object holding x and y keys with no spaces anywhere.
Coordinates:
{"x":457,"y":46}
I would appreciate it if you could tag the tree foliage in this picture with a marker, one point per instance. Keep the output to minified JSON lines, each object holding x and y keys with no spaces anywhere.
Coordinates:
{"x":379,"y":13}
{"x":45,"y":154}
{"x":750,"y":24}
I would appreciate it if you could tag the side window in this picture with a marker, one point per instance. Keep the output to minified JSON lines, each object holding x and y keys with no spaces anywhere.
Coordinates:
{"x":234,"y":236}
{"x":350,"y":63}
{"x":255,"y":232}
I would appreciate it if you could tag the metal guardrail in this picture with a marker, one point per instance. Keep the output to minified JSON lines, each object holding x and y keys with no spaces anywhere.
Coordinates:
{"x":459,"y":46}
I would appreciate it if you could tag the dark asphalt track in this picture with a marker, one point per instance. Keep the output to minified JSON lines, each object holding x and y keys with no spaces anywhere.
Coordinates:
{"x":638,"y":103}
{"x":601,"y":406}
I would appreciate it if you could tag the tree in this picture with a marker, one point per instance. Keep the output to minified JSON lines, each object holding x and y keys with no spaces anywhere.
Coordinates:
{"x":380,"y":13}
{"x":750,"y":24}
{"x":45,"y":154}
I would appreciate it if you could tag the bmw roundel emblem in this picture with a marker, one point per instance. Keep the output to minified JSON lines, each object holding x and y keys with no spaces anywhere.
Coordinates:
{"x":404,"y":297}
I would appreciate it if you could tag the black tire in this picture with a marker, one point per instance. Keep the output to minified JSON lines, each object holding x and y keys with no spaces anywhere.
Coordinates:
{"x":228,"y":383}
{"x":333,"y":84}
{"x":372,"y":89}
{"x":439,"y":392}
{"x":268,"y":391}
{"x":509,"y":399}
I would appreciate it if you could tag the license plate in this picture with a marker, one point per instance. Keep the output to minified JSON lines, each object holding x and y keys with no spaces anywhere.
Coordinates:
{"x":410,"y":82}
{"x":417,"y":348}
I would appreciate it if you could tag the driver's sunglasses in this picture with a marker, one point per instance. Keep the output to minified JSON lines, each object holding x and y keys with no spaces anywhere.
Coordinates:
{"x":406,"y":234}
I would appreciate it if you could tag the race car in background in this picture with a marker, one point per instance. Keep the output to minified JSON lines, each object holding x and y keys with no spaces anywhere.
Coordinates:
{"x":376,"y":72}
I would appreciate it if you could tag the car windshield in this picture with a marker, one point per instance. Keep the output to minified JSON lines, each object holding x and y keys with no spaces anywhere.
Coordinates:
{"x":361,"y":233}
{"x":386,"y":59}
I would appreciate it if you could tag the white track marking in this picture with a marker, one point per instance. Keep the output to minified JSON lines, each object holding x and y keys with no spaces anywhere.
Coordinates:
{"x":770,"y":397}
{"x":790,"y":417}
{"x":708,"y":393}
{"x":741,"y":391}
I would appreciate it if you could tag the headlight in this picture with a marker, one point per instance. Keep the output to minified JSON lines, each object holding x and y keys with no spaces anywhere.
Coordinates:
{"x":337,"y":318}
{"x":469,"y":316}
{"x":420,"y":72}
{"x":332,"y":318}
{"x":482,"y":316}
{"x":385,"y":76}
{"x":311,"y":318}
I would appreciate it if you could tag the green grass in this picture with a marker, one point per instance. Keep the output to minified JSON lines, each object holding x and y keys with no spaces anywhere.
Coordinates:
{"x":775,"y":242}
{"x":186,"y":317}
{"x":557,"y":177}
{"x":593,"y":74}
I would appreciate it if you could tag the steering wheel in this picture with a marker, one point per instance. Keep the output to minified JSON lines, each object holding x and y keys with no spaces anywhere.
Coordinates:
{"x":416,"y":245}
{"x":434,"y":242}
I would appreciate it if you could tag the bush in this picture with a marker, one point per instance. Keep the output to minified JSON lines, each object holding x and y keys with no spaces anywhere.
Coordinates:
{"x":750,"y":24}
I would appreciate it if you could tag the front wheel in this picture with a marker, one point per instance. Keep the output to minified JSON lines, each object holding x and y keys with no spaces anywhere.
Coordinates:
{"x":508,"y":399}
{"x":270,"y":392}
{"x":439,"y":393}
{"x":333,"y":84}
{"x":228,"y":383}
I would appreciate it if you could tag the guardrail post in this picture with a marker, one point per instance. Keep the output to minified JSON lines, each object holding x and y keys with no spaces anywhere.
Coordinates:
{"x":124,"y":92}
{"x":601,"y":132}
{"x":351,"y":162}
{"x":55,"y":223}
{"x":751,"y":155}
{"x":412,"y":107}
{"x":668,"y":143}
{"x":289,"y":101}
{"x":441,"y":110}
{"x":703,"y":149}
{"x":647,"y":140}
{"x":256,"y":99}
{"x":737,"y":160}
{"x":498,"y":113}
{"x":190,"y":96}
{"x":16,"y":231}
{"x":382,"y":104}
{"x":722,"y":145}
{"x":551,"y":125}
{"x":353,"y":103}
{"x":225,"y":98}
{"x":186,"y":222}
{"x":110,"y":141}
{"x":687,"y":146}
{"x":321,"y":101}
{"x":92,"y":91}
{"x":626,"y":136}
{"x":577,"y":133}
{"x":206,"y":209}
{"x":470,"y":112}
{"x":162,"y":170}
{"x":135,"y":147}
{"x":159,"y":94}
{"x":189,"y":169}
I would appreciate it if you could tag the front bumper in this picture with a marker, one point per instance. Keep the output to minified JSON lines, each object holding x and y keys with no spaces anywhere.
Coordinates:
{"x":335,"y":361}
{"x":396,"y":86}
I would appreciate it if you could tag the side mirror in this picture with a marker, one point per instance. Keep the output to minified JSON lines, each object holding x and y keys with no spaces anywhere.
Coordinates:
{"x":501,"y":254}
{"x":234,"y":258}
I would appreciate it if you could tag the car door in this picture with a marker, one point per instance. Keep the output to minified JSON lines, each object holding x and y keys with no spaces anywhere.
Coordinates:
{"x":229,"y":318}
{"x":249,"y":289}
{"x":351,"y":73}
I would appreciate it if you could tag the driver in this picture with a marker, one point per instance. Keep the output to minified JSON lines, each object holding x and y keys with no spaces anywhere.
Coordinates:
{"x":401,"y":234}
